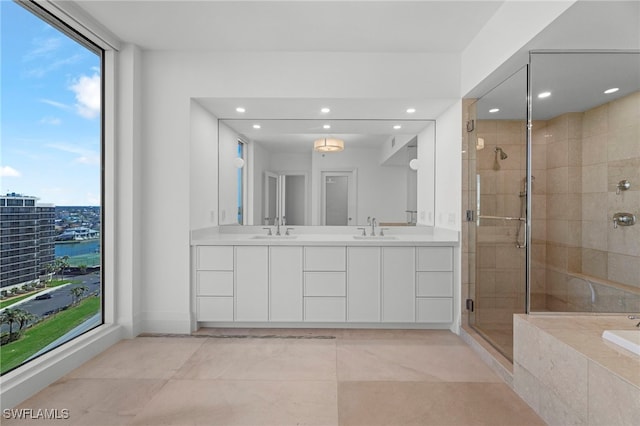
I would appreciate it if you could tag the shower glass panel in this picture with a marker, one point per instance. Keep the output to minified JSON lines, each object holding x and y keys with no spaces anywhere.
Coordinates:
{"x":585,"y":157}
{"x":498,"y":200}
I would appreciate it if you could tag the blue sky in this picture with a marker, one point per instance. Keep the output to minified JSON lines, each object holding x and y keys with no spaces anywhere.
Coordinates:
{"x":50,"y":112}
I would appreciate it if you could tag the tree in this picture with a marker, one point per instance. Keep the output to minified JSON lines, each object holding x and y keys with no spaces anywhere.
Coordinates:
{"x":61,"y":264}
{"x":24,"y":318}
{"x":10,"y":316}
{"x":77,"y":293}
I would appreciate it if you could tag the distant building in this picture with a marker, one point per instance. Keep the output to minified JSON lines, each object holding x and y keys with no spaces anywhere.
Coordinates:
{"x":27,"y":235}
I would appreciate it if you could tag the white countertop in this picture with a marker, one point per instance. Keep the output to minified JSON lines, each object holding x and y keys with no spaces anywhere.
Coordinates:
{"x":325,"y":236}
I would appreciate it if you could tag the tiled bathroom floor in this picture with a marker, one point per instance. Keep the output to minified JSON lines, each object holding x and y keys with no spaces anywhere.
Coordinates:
{"x":285,"y":377}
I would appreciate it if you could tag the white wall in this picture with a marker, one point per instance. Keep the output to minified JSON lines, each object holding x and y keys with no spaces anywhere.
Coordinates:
{"x":426,"y":179}
{"x":227,"y":175}
{"x":448,"y":168}
{"x":203,"y":168}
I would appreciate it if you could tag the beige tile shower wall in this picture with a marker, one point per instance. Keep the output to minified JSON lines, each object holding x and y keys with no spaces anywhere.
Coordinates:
{"x":611,"y":146}
{"x":578,"y":158}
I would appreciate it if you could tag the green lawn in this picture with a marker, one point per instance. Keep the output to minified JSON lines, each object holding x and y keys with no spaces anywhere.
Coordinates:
{"x":13,"y":300}
{"x":40,"y":335}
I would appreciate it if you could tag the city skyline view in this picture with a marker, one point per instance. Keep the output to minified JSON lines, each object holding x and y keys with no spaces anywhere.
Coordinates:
{"x":50,"y":112}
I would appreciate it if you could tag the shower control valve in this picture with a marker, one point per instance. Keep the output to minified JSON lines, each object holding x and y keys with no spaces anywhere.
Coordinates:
{"x":623,"y":219}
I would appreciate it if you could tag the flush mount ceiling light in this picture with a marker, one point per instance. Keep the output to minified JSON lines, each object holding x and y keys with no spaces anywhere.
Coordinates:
{"x":328,"y":145}
{"x":492,"y":110}
{"x":397,"y":126}
{"x":543,"y":95}
{"x":325,"y":110}
{"x":240,"y":109}
{"x":411,"y":110}
{"x":326,"y":126}
{"x":612,"y":90}
{"x":256,"y":126}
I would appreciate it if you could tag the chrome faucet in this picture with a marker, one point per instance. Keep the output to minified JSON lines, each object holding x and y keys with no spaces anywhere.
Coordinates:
{"x":276,"y":222}
{"x":373,"y":226}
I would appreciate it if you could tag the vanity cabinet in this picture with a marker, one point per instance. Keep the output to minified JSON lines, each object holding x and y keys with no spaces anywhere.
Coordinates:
{"x":398,"y":284}
{"x":214,"y":283}
{"x":434,"y":284}
{"x":252,"y":283}
{"x":325,"y":284}
{"x":363,"y":277}
{"x":356,"y":284}
{"x":285,"y":283}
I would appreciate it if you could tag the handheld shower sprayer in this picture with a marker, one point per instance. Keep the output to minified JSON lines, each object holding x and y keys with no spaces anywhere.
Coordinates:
{"x":503,"y":155}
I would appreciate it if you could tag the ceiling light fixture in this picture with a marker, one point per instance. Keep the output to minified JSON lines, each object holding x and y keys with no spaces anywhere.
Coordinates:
{"x":325,"y":110}
{"x":411,"y":110}
{"x":256,"y":126}
{"x":240,"y":109}
{"x":492,"y":110}
{"x":543,"y":95}
{"x":328,"y":145}
{"x":326,"y":126}
{"x":397,"y":126}
{"x":612,"y":90}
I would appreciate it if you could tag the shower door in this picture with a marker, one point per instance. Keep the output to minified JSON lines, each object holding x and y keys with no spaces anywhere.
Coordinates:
{"x":497,"y":201}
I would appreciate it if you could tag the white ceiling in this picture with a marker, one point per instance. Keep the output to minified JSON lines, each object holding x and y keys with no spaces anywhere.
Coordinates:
{"x":295,"y":26}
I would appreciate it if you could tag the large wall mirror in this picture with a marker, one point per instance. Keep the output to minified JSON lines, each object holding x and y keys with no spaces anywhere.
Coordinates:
{"x":272,"y":170}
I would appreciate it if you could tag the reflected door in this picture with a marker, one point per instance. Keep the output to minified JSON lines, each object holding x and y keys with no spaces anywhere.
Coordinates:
{"x":338,"y":198}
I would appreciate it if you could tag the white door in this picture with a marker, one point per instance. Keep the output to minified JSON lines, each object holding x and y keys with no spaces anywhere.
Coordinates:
{"x":285,"y":273}
{"x":252,"y":283}
{"x":398,"y":284}
{"x":363,"y":284}
{"x":270,"y":207}
{"x":338,"y":198}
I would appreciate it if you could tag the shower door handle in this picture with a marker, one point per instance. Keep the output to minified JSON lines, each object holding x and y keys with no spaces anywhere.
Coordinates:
{"x":521,"y":219}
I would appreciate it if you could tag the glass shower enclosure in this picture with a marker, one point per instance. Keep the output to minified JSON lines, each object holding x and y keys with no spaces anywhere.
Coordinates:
{"x":553,"y":191}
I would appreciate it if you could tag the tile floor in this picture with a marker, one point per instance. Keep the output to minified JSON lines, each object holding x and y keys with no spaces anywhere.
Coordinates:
{"x":285,"y":377}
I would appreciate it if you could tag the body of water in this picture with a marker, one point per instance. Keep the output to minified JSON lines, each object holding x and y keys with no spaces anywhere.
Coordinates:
{"x":78,"y":249}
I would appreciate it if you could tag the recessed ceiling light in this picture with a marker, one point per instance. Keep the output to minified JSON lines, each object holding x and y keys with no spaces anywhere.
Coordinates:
{"x":397,"y":126}
{"x":411,"y":110}
{"x":543,"y":95}
{"x":612,"y":90}
{"x":240,"y":109}
{"x":256,"y":126}
{"x":492,"y":110}
{"x":326,"y":126}
{"x":325,"y":110}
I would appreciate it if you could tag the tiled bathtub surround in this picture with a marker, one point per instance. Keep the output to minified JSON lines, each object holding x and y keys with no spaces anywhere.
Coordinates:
{"x":569,"y":375}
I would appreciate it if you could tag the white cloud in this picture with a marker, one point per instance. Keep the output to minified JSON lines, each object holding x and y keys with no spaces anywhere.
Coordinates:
{"x":44,"y":47}
{"x":92,"y":199}
{"x":8,"y":171}
{"x":85,"y":156}
{"x":41,"y":71}
{"x":87,"y":91}
{"x":54,"y":121}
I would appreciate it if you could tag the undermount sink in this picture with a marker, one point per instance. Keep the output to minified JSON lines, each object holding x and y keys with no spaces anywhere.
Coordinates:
{"x":375,"y":237}
{"x":628,"y":339}
{"x":274,"y":237}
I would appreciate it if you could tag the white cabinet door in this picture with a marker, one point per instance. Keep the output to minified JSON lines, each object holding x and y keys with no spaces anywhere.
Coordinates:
{"x":363,"y":284}
{"x":252,"y":283}
{"x":215,"y":258}
{"x":285,"y":275}
{"x":324,"y":258}
{"x":398,"y":284}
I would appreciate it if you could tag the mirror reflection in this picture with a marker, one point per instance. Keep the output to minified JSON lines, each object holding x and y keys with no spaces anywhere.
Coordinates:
{"x":325,"y":173}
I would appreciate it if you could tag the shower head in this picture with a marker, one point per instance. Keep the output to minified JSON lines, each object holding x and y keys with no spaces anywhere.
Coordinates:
{"x":503,"y":155}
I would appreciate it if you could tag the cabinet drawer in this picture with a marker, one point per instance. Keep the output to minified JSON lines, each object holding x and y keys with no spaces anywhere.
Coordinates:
{"x":215,"y":283}
{"x":325,"y":309}
{"x":324,"y":258}
{"x":325,"y":284}
{"x":215,"y":258}
{"x":434,"y":310}
{"x":434,"y":284}
{"x":435,"y":259}
{"x":215,"y":308}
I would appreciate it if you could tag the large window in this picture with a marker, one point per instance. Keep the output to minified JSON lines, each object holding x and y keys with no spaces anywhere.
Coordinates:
{"x":51,"y":206}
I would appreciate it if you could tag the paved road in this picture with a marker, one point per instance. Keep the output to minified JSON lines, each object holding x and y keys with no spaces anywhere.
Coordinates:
{"x":59,"y":297}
